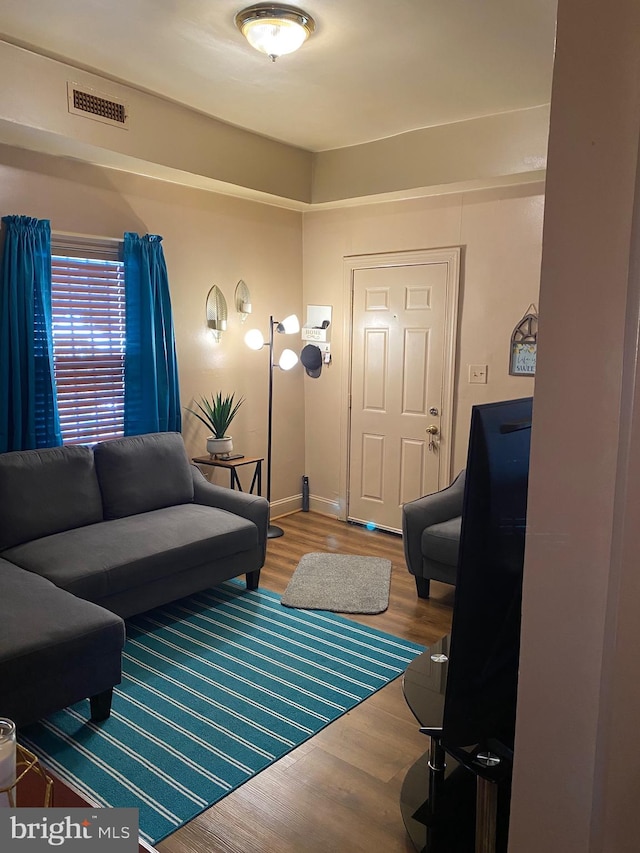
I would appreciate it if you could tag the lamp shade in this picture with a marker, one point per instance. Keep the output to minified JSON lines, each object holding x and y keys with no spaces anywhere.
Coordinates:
{"x":290,"y":325}
{"x":287,"y":360}
{"x":254,"y":339}
{"x":275,"y":29}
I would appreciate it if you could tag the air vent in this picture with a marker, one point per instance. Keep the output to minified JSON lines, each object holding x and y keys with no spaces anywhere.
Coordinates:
{"x":96,"y":105}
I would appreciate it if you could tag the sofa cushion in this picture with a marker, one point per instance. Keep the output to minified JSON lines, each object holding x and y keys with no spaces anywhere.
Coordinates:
{"x":104,"y":559}
{"x":46,"y":491}
{"x":442,"y":541}
{"x":141,"y":473}
{"x":55,"y":649}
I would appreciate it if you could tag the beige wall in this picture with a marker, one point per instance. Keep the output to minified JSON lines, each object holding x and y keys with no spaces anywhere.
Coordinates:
{"x":213,"y":239}
{"x":163,"y":139}
{"x":576,"y":782}
{"x":208,"y":239}
{"x":169,"y":141}
{"x":486,"y":150}
{"x":500,"y":232}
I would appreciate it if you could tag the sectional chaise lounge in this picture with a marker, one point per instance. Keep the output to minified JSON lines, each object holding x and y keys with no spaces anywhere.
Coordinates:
{"x":89,"y":537}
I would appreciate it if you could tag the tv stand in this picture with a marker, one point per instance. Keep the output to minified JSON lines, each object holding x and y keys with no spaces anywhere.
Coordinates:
{"x":454,"y":800}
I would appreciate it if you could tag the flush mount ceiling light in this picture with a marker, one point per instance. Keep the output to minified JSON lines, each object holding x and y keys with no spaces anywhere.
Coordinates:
{"x":275,"y":30}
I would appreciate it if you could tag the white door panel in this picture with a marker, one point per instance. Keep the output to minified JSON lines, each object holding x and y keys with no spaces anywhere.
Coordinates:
{"x":402,"y":344}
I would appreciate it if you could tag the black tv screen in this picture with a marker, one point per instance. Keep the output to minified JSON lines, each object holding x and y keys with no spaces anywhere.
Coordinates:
{"x":482,"y":680}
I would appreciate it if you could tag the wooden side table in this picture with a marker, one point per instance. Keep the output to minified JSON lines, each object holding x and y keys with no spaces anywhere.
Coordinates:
{"x":232,"y":466}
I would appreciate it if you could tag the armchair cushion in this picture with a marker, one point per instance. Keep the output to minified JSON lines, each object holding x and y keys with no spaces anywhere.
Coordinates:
{"x":441,"y":541}
{"x":431,"y":528}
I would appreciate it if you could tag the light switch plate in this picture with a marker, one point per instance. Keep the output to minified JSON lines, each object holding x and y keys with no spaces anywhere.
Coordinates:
{"x":478,"y":374}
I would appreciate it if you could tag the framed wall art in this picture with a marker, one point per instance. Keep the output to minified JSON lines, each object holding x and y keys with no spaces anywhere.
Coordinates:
{"x":524,"y":345}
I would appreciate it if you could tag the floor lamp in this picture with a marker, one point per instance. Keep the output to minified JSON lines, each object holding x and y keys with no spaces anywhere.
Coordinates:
{"x":288,"y":359}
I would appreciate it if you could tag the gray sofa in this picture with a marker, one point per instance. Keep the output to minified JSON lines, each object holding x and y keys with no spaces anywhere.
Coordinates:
{"x":89,"y":537}
{"x":431,"y":535}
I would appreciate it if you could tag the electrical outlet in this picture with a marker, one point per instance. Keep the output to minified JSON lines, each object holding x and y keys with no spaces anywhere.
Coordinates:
{"x":478,"y":374}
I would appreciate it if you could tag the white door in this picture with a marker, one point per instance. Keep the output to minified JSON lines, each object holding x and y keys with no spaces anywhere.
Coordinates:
{"x":402,"y":359}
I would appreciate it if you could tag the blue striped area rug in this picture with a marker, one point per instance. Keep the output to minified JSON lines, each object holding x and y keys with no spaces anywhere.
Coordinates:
{"x":215,"y":688}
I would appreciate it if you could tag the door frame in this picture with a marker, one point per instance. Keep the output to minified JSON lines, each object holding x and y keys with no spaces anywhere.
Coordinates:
{"x":351,"y":263}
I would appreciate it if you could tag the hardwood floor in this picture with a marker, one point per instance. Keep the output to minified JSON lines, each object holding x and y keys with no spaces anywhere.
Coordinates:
{"x":340,"y":790}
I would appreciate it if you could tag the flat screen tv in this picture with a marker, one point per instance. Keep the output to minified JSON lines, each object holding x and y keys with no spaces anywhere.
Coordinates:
{"x":482,"y":680}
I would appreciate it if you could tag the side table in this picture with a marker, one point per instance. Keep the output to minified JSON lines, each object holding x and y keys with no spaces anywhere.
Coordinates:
{"x":232,"y":466}
{"x":430,"y":808}
{"x":453,"y":800}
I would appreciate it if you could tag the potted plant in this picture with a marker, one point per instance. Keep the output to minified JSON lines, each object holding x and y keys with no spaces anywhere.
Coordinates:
{"x":216,"y":414}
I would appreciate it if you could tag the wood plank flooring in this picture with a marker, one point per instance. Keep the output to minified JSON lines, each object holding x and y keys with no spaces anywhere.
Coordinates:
{"x":339,"y":791}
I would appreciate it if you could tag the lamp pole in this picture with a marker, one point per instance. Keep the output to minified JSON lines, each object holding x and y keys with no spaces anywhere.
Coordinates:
{"x":273,"y":531}
{"x":255,"y":340}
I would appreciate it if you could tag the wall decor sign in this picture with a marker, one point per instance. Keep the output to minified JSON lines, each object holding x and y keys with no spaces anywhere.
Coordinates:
{"x":524,"y":345}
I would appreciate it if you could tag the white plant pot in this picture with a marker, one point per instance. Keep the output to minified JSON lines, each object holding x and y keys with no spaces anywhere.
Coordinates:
{"x":219,"y":446}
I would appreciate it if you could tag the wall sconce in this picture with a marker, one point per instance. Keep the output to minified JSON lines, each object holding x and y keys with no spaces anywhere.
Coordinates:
{"x":254,"y":339}
{"x":216,"y":312}
{"x":275,"y":29}
{"x":243,"y":301}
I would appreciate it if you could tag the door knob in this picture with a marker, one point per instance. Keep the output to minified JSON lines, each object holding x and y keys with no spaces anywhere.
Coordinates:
{"x":432,"y":430}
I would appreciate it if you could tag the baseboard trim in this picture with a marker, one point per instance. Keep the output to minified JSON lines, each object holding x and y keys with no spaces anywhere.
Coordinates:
{"x":286,"y":506}
{"x":323,"y":506}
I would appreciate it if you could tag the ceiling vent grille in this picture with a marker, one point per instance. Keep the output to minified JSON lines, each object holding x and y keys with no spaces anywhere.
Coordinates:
{"x":96,"y":105}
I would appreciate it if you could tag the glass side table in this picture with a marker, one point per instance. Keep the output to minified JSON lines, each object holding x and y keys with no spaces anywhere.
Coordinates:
{"x":437,"y":792}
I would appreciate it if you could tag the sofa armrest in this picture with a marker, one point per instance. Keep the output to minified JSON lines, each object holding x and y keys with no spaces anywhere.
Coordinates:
{"x":252,"y":507}
{"x":423,"y":512}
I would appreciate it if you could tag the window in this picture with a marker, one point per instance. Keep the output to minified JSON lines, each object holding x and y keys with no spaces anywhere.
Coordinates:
{"x":88,"y":325}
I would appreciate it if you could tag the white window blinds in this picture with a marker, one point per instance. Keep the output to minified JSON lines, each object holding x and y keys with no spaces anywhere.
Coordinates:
{"x":88,"y":325}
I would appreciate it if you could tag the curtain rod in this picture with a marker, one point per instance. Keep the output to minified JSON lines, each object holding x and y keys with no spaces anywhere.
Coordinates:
{"x":74,"y":235}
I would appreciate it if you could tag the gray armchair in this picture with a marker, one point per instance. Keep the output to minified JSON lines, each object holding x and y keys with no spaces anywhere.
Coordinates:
{"x":431,"y":535}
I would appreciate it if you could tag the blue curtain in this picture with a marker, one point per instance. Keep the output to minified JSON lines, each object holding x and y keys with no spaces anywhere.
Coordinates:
{"x":151,"y":393}
{"x":28,"y":410}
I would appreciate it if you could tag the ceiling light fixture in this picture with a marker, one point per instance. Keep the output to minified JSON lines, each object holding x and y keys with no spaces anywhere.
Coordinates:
{"x":275,"y":30}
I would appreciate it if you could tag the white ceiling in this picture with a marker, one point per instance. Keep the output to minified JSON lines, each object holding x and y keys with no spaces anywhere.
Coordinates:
{"x":373,"y":68}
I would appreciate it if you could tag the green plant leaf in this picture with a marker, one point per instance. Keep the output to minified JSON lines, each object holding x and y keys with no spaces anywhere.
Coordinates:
{"x":218,"y":413}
